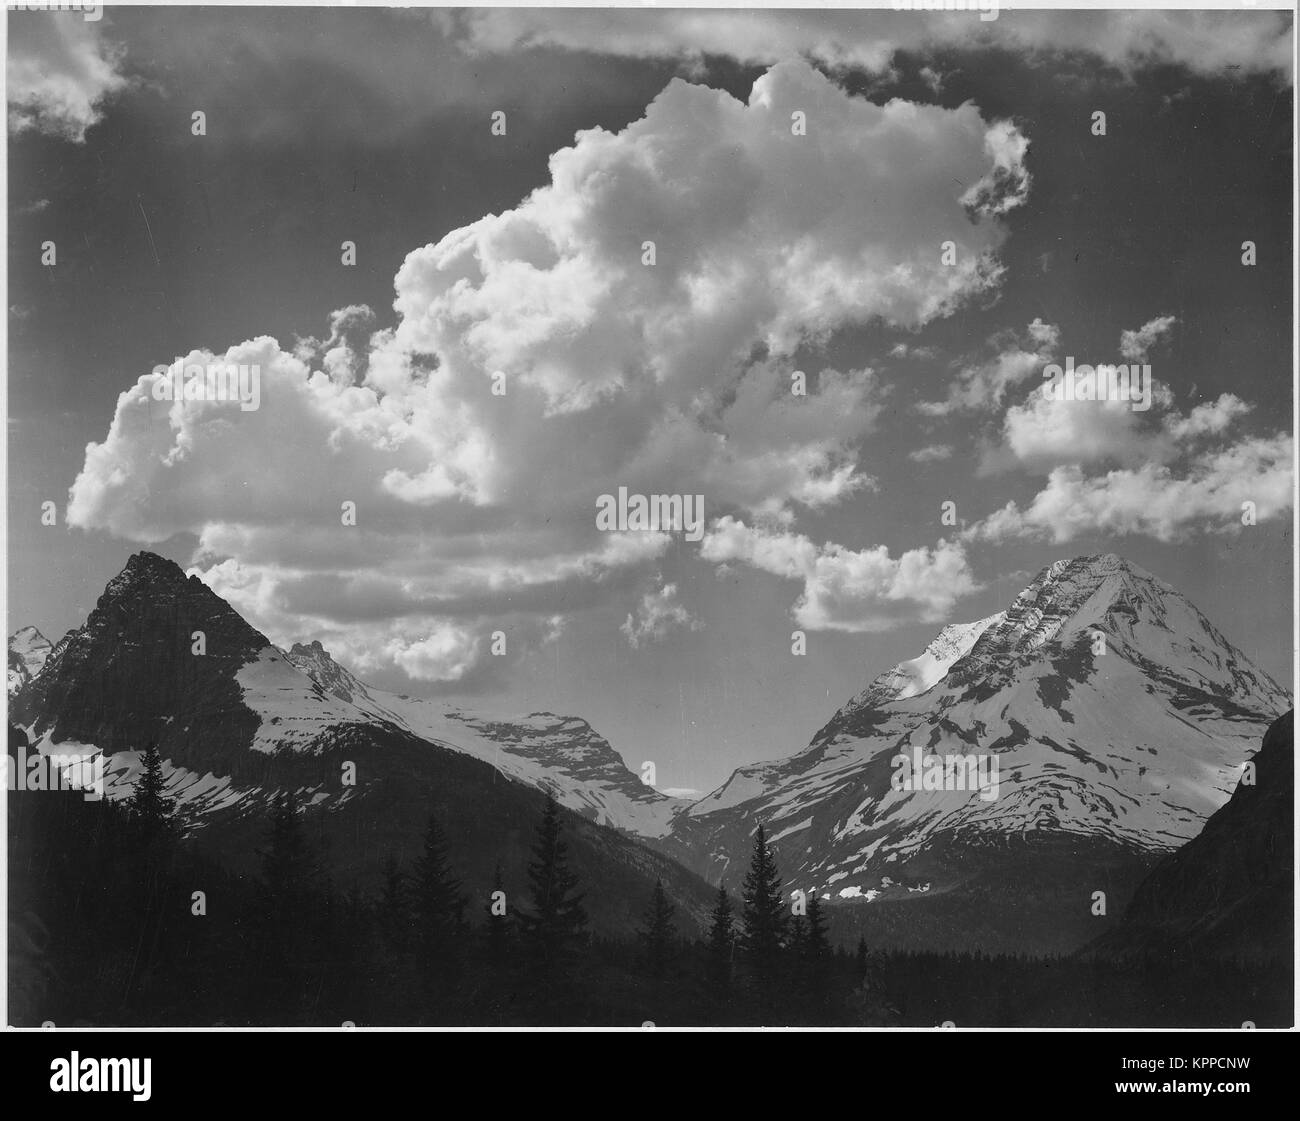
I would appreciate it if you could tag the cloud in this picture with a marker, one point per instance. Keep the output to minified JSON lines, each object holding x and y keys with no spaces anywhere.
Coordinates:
{"x":932,"y":453}
{"x":846,"y":589}
{"x":475,"y":493}
{"x":658,"y":615}
{"x":60,"y":71}
{"x":982,"y":387}
{"x":1048,"y":429}
{"x":1134,"y":345}
{"x":1154,"y":500}
{"x":1111,"y":468}
{"x":1206,"y":42}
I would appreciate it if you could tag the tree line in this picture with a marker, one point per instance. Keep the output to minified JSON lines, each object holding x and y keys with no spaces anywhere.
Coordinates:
{"x":111,"y":923}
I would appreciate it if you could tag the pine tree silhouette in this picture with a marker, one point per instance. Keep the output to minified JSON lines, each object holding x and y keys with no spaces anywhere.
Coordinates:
{"x":152,"y":811}
{"x":290,"y":871}
{"x":394,"y":905}
{"x":763,"y":917}
{"x":657,"y":932}
{"x":289,"y":910}
{"x":721,"y":948}
{"x":818,"y":960}
{"x":553,"y":926}
{"x":437,"y":904}
{"x":497,"y":927}
{"x":817,"y":945}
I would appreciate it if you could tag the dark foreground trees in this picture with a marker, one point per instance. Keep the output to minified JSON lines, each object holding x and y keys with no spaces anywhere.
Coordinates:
{"x":101,"y":936}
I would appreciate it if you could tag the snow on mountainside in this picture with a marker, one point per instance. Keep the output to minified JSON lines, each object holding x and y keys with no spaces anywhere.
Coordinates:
{"x":1130,"y":749}
{"x":562,"y":754}
{"x":222,"y":717}
{"x":28,"y":649}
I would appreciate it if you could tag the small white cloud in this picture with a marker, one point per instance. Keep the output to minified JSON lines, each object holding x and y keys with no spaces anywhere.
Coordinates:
{"x":658,"y":615}
{"x":984,"y":385}
{"x":932,"y":453}
{"x":1134,"y":345}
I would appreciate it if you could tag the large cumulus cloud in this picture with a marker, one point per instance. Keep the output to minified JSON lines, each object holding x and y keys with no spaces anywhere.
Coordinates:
{"x":475,"y":506}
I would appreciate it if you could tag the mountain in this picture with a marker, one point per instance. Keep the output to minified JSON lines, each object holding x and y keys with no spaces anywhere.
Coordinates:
{"x":162,"y":658}
{"x":1227,"y":893}
{"x":561,"y":754}
{"x":1118,"y":718}
{"x":28,"y":649}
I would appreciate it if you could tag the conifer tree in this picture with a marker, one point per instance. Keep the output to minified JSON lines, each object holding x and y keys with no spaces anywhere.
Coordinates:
{"x":497,"y":927}
{"x":151,"y":809}
{"x":437,"y":902}
{"x":290,"y":871}
{"x":721,"y":946}
{"x":290,"y":906}
{"x":818,"y":959}
{"x":657,"y":932}
{"x":394,"y":905}
{"x":763,"y":919}
{"x":817,"y":945}
{"x":556,"y":920}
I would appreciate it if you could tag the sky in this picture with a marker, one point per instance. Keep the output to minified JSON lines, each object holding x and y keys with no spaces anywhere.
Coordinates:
{"x":604,"y":249}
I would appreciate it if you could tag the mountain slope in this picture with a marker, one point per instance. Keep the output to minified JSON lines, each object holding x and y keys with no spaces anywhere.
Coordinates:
{"x":1229,"y":891}
{"x":28,"y":649}
{"x":163,"y":659}
{"x":1107,"y":756}
{"x":561,"y":754}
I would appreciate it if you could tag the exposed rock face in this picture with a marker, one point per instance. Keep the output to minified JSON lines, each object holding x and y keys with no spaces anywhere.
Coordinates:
{"x":1117,"y":715}
{"x":241,"y":720}
{"x":129,"y":675}
{"x":28,"y":649}
{"x":1228,"y":892}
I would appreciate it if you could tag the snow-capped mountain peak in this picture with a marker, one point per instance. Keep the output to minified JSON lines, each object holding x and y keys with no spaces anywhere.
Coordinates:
{"x":28,"y":651}
{"x":1118,"y":717}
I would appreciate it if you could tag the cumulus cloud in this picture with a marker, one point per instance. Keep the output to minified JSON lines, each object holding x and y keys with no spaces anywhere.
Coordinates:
{"x":1113,"y":468}
{"x":1134,"y":345}
{"x":537,"y":362}
{"x":657,"y":616}
{"x":1154,"y":500}
{"x":1206,"y":42}
{"x":847,"y":589}
{"x":1050,"y":428}
{"x":984,"y":386}
{"x":60,"y":71}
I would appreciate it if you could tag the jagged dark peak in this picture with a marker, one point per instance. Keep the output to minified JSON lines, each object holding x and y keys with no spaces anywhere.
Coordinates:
{"x":145,"y":568}
{"x":157,"y":594}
